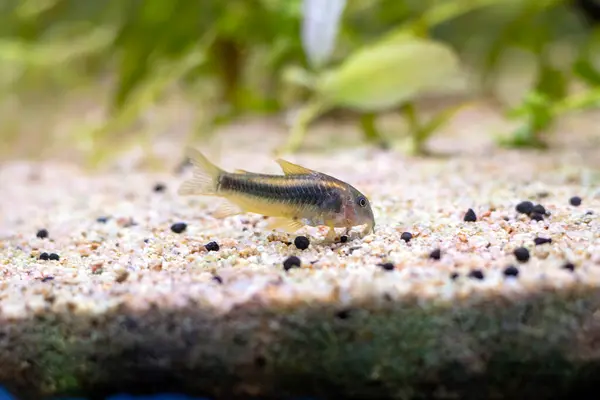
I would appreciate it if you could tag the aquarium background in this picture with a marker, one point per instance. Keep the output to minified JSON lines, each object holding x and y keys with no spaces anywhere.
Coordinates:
{"x":4,"y":395}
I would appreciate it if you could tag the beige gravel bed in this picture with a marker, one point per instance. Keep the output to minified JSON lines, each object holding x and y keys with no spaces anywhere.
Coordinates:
{"x":132,"y":305}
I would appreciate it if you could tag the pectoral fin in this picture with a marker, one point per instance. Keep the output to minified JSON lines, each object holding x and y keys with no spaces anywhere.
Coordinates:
{"x":226,"y":209}
{"x":285,"y":224}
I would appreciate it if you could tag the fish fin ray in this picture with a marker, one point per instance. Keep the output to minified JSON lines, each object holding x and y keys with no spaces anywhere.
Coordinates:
{"x":226,"y":209}
{"x":293,"y":169}
{"x":286,"y":224}
{"x":205,"y":176}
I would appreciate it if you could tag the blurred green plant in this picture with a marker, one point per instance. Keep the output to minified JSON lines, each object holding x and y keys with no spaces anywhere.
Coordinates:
{"x":531,"y":26}
{"x":380,"y":77}
{"x":266,"y":56}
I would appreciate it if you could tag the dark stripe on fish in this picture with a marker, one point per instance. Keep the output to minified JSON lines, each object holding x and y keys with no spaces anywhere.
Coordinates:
{"x":295,"y":190}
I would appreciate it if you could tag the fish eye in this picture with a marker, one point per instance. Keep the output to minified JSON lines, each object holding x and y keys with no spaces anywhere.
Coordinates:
{"x":362,"y":201}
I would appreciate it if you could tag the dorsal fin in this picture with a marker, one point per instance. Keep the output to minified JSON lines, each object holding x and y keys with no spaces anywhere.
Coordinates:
{"x":293,"y":169}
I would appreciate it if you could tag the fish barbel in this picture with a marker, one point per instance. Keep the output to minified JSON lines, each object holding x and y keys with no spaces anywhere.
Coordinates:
{"x":298,"y":198}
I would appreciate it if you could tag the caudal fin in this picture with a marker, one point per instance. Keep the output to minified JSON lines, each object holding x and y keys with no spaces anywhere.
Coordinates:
{"x":205,"y":176}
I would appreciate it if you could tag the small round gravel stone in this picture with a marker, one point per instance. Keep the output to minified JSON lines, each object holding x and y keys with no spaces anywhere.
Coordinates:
{"x":525,"y":207}
{"x":302,"y":242}
{"x":575,"y":201}
{"x":159,"y":187}
{"x":291,"y":262}
{"x":343,"y":314}
{"x":343,"y":239}
{"x":217,"y":279}
{"x":454,"y":276}
{"x":470,"y":216}
{"x":212,"y":246}
{"x":521,"y":254}
{"x":536,"y":216}
{"x":406,"y":236}
{"x":53,"y":257}
{"x":387,"y":266}
{"x":511,"y":270}
{"x":540,"y":240}
{"x":102,"y":220}
{"x":44,"y":256}
{"x":538,"y":209}
{"x":569,"y":266}
{"x":42,"y":233}
{"x":436,"y":254}
{"x":476,"y":274}
{"x":179,"y":227}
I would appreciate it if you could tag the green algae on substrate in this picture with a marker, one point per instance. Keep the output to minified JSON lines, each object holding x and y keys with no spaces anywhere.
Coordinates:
{"x":528,"y":346}
{"x":52,"y":362}
{"x":398,"y":351}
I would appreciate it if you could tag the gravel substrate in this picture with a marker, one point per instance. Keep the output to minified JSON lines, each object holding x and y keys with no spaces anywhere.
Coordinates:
{"x":112,"y":282}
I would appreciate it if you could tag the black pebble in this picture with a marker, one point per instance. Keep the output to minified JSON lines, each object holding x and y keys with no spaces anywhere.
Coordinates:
{"x":159,"y":187}
{"x":539,"y":241}
{"x":42,"y":233}
{"x":343,"y":239}
{"x":53,"y":257}
{"x":343,"y":314}
{"x":536,"y":216}
{"x":538,"y":209}
{"x":569,"y":266}
{"x":511,"y":270}
{"x":217,"y":279}
{"x":406,"y":236}
{"x":291,"y":262}
{"x":575,"y":201}
{"x":260,"y":361}
{"x":476,"y":274}
{"x":522,"y":254}
{"x":44,"y":256}
{"x":470,"y":216}
{"x":47,"y":278}
{"x":102,"y":220}
{"x":387,"y":266}
{"x":302,"y":242}
{"x":454,"y":276}
{"x":179,"y":227}
{"x":436,"y":254}
{"x":212,"y":246}
{"x":525,"y":207}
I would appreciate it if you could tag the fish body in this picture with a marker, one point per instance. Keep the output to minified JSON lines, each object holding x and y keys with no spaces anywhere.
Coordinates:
{"x":299,"y":197}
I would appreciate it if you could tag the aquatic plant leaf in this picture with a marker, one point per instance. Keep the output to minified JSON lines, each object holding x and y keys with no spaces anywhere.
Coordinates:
{"x":320,"y":26}
{"x":438,"y":13}
{"x":298,"y":76}
{"x":140,"y":49}
{"x":523,"y":137}
{"x":537,"y":115}
{"x":551,"y":81}
{"x":586,"y":71}
{"x":385,"y":75}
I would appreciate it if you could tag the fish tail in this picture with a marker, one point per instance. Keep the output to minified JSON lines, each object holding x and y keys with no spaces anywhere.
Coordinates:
{"x":205,"y":177}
